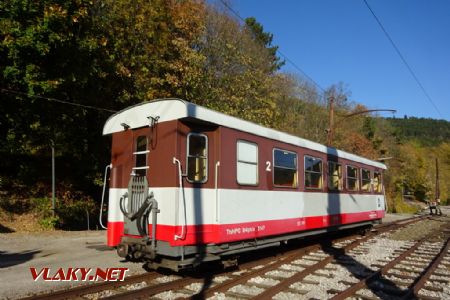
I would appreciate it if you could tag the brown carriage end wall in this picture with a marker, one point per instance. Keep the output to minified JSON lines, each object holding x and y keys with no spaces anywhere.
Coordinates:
{"x":162,"y":144}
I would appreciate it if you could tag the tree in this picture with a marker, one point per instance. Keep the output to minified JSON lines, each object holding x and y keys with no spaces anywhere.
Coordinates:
{"x":341,"y":94}
{"x":107,"y":54}
{"x":52,"y":49}
{"x":237,"y":71}
{"x":155,"y":45}
{"x":112,"y":54}
{"x":265,"y":39}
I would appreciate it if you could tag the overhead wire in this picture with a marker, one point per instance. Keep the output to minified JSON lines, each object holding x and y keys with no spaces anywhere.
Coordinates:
{"x":285,"y":57}
{"x":278,"y":51}
{"x":427,"y":95}
{"x":57,"y":100}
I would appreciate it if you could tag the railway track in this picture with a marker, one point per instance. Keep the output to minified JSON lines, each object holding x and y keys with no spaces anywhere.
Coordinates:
{"x":337,"y":269}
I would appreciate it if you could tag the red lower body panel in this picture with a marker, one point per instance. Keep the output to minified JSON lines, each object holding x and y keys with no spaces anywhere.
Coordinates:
{"x":224,"y":233}
{"x":115,"y":232}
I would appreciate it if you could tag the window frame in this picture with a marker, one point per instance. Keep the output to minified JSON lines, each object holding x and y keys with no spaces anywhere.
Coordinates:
{"x":347,"y":177}
{"x":187,"y":156}
{"x":274,"y":166}
{"x":246,"y":162}
{"x":380,"y":182}
{"x":370,"y":180}
{"x":304,"y":173}
{"x":341,"y":179}
{"x":135,"y":155}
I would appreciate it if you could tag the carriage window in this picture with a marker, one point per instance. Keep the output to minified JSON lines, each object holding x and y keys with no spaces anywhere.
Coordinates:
{"x":247,"y":163}
{"x":377,"y":184}
{"x":365,"y":180}
{"x":284,"y":168}
{"x":313,"y":172}
{"x":140,"y":167}
{"x":334,"y":176}
{"x":352,"y":178}
{"x":197,"y":157}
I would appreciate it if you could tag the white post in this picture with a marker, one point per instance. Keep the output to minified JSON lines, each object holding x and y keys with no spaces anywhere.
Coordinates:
{"x":53,"y":178}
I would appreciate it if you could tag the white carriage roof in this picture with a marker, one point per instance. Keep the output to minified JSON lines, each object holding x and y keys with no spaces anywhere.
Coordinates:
{"x":172,"y":109}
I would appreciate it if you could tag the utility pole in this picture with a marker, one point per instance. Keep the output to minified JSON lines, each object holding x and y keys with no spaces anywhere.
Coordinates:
{"x":332,"y":124}
{"x":437,"y":180}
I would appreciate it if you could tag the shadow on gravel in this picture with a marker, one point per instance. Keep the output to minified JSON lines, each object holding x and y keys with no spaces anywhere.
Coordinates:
{"x":100,"y":247}
{"x":8,"y":259}
{"x":207,"y":281}
{"x":383,"y":288}
{"x":4,"y":229}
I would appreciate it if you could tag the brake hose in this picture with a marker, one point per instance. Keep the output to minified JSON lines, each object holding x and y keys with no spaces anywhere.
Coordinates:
{"x":140,"y":215}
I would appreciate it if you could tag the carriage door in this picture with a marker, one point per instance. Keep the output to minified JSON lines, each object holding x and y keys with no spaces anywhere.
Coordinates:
{"x":138,"y":186}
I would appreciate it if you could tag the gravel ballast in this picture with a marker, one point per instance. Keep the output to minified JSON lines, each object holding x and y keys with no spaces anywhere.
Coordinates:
{"x":88,"y":250}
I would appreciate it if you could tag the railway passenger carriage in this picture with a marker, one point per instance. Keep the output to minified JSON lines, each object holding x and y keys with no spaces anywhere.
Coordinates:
{"x":190,"y":184}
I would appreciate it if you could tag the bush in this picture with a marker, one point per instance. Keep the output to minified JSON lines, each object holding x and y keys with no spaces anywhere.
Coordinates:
{"x":49,"y":222}
{"x":15,"y":205}
{"x":398,"y":205}
{"x":42,"y":205}
{"x":43,"y":210}
{"x":73,"y":214}
{"x":72,"y":209}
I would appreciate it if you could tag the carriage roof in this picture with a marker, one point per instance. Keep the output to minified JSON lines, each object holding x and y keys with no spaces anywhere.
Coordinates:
{"x":173,"y":109}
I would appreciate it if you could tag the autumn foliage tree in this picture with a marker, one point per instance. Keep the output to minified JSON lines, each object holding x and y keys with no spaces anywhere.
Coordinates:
{"x":103,"y":56}
{"x":52,"y":48}
{"x":153,"y":44}
{"x":109,"y":55}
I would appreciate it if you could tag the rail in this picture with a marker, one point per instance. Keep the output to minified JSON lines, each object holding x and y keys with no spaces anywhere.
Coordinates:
{"x":319,"y":252}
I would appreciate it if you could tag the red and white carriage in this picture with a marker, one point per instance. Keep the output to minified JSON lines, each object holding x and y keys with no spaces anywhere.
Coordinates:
{"x":189,"y":184}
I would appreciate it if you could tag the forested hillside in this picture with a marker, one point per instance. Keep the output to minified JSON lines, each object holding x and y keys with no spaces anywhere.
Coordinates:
{"x":65,"y":66}
{"x":427,"y":132}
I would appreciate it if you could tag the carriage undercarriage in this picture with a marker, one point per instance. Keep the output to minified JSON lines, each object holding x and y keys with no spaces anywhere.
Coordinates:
{"x":178,"y":258}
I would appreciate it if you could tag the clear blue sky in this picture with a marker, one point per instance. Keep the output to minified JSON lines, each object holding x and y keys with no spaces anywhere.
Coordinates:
{"x":339,"y":41}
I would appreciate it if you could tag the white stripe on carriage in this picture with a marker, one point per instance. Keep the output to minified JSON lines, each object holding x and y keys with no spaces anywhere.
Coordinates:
{"x":240,"y":206}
